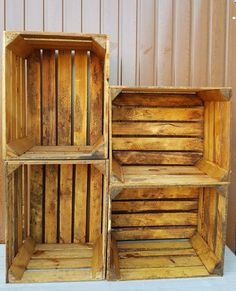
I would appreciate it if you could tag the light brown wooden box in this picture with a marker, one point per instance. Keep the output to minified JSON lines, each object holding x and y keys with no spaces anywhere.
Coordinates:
{"x":169,"y":168}
{"x":55,"y":96}
{"x":56,"y":220}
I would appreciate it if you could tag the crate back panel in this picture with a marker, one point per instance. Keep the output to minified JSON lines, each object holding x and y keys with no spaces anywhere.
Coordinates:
{"x":157,"y":128}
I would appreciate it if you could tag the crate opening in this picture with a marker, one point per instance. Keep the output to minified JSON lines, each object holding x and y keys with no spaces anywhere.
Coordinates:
{"x":55,"y":97}
{"x":56,"y":229}
{"x":166,"y":233}
{"x":169,"y":136}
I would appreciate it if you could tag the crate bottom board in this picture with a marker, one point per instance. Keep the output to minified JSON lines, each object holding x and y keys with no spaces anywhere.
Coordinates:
{"x":158,"y":260}
{"x":58,"y":263}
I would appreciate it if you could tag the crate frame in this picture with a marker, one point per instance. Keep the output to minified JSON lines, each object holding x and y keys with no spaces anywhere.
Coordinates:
{"x":26,"y":248}
{"x":218,"y":174}
{"x":23,"y":44}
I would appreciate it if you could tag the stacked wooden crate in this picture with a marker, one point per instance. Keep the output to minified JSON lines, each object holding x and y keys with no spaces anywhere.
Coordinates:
{"x":55,"y":147}
{"x":161,"y":155}
{"x":169,"y":152}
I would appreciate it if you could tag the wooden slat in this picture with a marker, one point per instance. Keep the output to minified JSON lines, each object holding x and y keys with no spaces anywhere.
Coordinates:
{"x":155,"y":253}
{"x":10,"y":230}
{"x":161,"y":170}
{"x":33,"y":96}
{"x":62,"y":247}
{"x":154,"y":273}
{"x":161,"y":262}
{"x":223,"y":94}
{"x":39,"y":264}
{"x":157,"y":114}
{"x":65,"y":203}
{"x":19,"y":194}
{"x":209,"y":259}
{"x":184,"y":244}
{"x":211,"y":227}
{"x":80,"y":98}
{"x":97,"y":261}
{"x":143,"y":206}
{"x":160,"y":100}
{"x":151,"y":158}
{"x":161,"y":144}
{"x":114,"y":267}
{"x":158,"y":193}
{"x":14,"y":97}
{"x":21,"y":260}
{"x":49,"y":97}
{"x":226,"y":129}
{"x":154,"y":219}
{"x":157,"y":128}
{"x":95,"y":207}
{"x":51,"y":203}
{"x":220,"y":227}
{"x":52,"y":276}
{"x":64,"y":97}
{"x":96,"y":93}
{"x":18,"y":97}
{"x":36,"y":202}
{"x":154,"y":233}
{"x":9,"y":93}
{"x":80,"y":204}
{"x":62,"y":254}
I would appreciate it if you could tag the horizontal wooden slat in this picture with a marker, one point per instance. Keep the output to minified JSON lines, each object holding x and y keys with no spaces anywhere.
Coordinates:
{"x":65,"y":253}
{"x":153,"y":233}
{"x":151,"y":158}
{"x":161,"y":262}
{"x":152,"y":99}
{"x":61,"y":247}
{"x":58,"y":276}
{"x":161,"y":170}
{"x":158,"y":128}
{"x":151,"y":219}
{"x":157,"y":114}
{"x":154,"y":273}
{"x":158,"y":144}
{"x":142,"y":206}
{"x":155,"y":253}
{"x":143,"y":245}
{"x":158,"y":193}
{"x":39,"y":264}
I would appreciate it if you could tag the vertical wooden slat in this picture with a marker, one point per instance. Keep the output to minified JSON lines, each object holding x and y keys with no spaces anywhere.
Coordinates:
{"x":211,"y":140}
{"x":80,"y":206}
{"x":72,"y":15}
{"x":15,"y":213}
{"x":53,"y":20}
{"x":9,"y":93}
{"x":146,"y":42}
{"x":23,"y":101}
{"x":91,"y":17}
{"x":110,"y":26}
{"x":18,"y":98}
{"x":49,"y":98}
{"x":34,"y":15}
{"x":220,"y":226}
{"x":19,"y":194}
{"x":211,"y":229}
{"x":128,"y":42}
{"x":64,"y":98}
{"x":80,"y":98}
{"x":10,"y":219}
{"x":164,"y":51}
{"x":51,"y":183}
{"x":65,"y":203}
{"x":200,"y":35}
{"x":226,"y":134}
{"x":33,"y":98}
{"x":14,"y":98}
{"x":36,"y":202}
{"x":25,"y":199}
{"x":96,"y":93}
{"x":95,"y":212}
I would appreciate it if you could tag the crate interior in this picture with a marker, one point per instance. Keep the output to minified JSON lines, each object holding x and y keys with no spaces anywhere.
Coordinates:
{"x":55,"y":97}
{"x":56,"y":222}
{"x":167,"y":233}
{"x":169,"y":136}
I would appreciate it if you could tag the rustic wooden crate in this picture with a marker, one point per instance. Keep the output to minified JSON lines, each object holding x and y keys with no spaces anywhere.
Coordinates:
{"x":169,"y":169}
{"x":56,"y":220}
{"x":55,"y":96}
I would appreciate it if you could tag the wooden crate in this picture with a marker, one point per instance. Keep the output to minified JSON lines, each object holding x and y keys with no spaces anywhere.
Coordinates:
{"x":169,"y":169}
{"x":56,"y":220}
{"x":55,"y":96}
